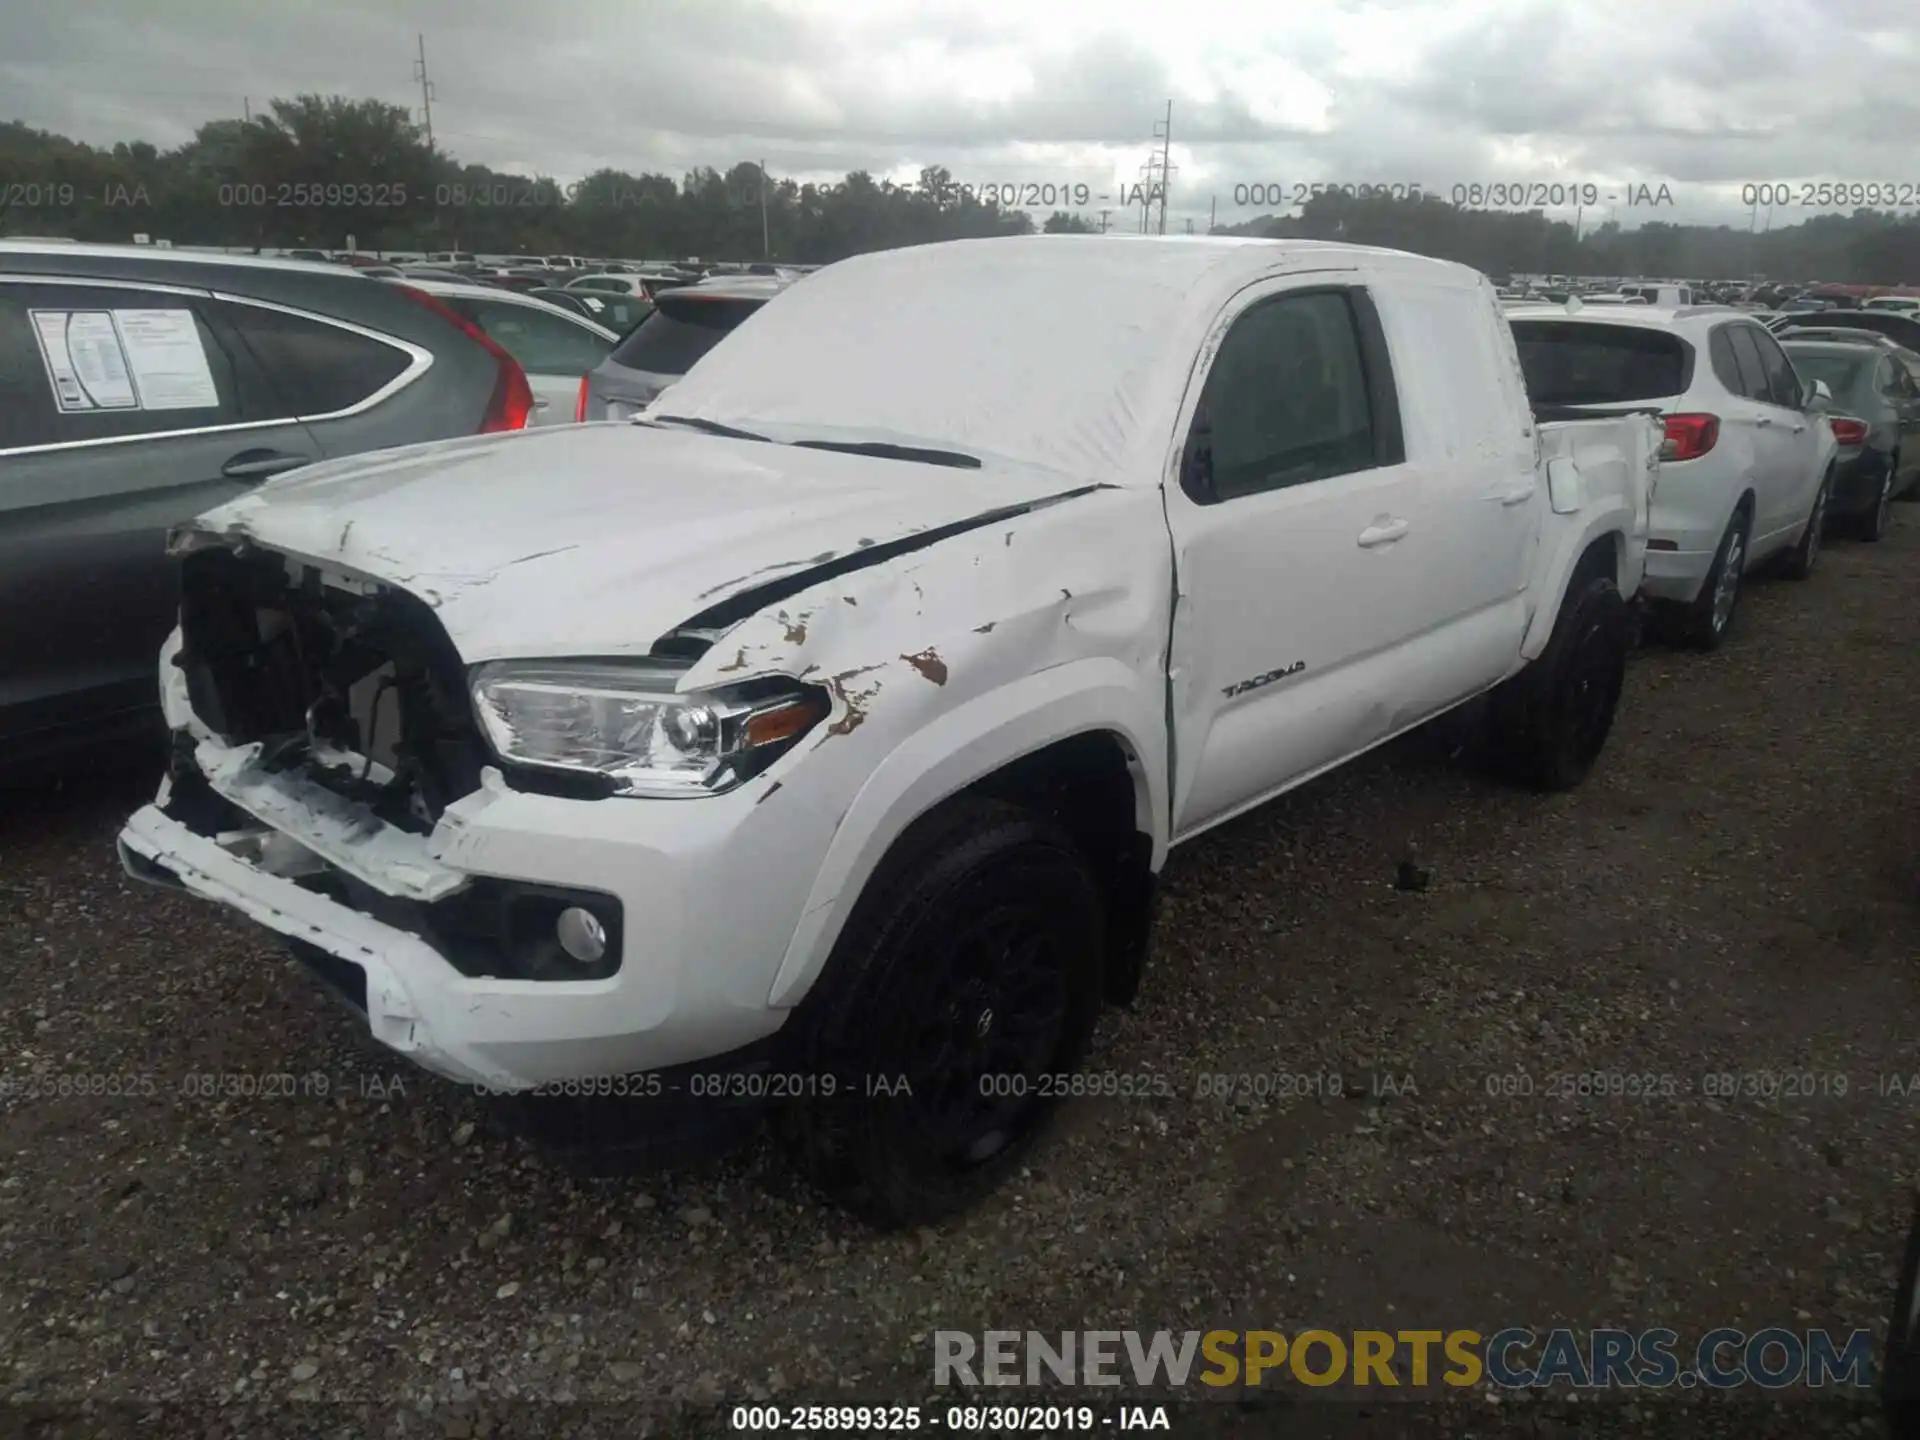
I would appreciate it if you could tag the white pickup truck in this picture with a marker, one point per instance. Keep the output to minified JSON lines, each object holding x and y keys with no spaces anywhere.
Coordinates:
{"x":813,"y":741}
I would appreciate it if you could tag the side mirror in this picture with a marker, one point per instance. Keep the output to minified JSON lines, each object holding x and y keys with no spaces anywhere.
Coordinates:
{"x":1819,"y":396}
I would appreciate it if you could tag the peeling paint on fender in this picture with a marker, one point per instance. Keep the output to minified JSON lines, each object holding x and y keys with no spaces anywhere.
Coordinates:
{"x":929,"y":664}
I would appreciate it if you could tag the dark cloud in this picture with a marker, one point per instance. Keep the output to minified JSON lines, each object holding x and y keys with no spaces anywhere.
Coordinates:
{"x":1699,"y":92}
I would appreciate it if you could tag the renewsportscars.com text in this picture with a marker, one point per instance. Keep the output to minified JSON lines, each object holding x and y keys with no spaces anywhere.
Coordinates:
{"x":1511,"y":1359}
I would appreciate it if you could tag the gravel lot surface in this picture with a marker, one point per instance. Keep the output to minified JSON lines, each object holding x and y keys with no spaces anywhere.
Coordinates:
{"x":1735,"y":891}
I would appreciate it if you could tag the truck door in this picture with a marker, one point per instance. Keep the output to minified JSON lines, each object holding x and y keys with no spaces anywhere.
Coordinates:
{"x":1299,"y":566}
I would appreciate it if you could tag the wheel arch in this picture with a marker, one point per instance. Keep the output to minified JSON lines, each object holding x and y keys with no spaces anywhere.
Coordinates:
{"x":1600,"y":548}
{"x":1082,"y":742}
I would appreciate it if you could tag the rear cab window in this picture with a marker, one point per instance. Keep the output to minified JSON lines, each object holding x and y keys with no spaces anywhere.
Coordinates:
{"x":679,"y":331}
{"x":1572,"y":362}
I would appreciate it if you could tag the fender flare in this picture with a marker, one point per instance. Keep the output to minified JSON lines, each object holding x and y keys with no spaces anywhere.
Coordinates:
{"x":959,"y":748}
{"x":1563,"y":546}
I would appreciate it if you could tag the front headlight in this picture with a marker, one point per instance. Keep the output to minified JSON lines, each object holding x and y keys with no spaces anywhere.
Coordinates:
{"x":623,"y":722}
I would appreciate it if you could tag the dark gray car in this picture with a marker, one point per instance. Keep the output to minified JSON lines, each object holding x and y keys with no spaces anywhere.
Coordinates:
{"x":1873,"y":383}
{"x":141,"y":387}
{"x":685,"y":324}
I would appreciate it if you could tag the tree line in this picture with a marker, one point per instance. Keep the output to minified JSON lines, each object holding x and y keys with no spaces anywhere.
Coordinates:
{"x":320,"y":170}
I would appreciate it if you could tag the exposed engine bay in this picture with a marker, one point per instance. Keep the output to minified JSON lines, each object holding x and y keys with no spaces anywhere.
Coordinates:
{"x":353,"y":682}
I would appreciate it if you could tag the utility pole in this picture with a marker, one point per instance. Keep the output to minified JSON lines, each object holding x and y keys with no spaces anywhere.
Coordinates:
{"x":1165,"y":129}
{"x":246,"y":104}
{"x":1213,"y":210}
{"x":426,"y":89}
{"x":766,"y":246}
{"x":1103,"y":220}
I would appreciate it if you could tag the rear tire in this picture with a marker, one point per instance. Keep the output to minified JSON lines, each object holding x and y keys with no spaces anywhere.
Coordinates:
{"x":1873,"y":524}
{"x":1548,"y":724}
{"x":1705,"y":623}
{"x":1799,"y":562}
{"x":972,"y":968}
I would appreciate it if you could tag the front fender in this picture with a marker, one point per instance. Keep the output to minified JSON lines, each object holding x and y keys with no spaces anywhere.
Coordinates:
{"x":960,"y":747}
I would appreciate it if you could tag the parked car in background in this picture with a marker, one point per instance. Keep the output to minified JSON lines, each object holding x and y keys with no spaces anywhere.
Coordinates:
{"x":435,"y":273}
{"x":1904,"y":329}
{"x":619,"y":313}
{"x":313,"y":255}
{"x":1898,"y":304}
{"x":138,"y":387}
{"x":555,"y":347}
{"x":1746,"y":468}
{"x":615,"y":284}
{"x":451,"y":257}
{"x":912,"y":633}
{"x":1875,"y":412}
{"x":687,"y":321}
{"x":1660,"y":294}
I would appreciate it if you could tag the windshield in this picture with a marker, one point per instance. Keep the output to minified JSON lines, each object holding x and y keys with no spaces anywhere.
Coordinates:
{"x":1571,"y":363}
{"x":1057,"y":356}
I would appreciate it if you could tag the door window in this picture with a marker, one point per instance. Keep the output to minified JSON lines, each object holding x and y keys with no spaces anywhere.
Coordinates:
{"x":1286,"y":402}
{"x":1753,"y":370}
{"x":27,"y":413}
{"x":1783,"y":384}
{"x":115,"y":363}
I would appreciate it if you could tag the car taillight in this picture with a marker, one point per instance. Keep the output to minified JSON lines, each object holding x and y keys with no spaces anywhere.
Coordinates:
{"x":1849,"y":431}
{"x":511,"y":402}
{"x":1689,"y":436}
{"x":580,"y":405}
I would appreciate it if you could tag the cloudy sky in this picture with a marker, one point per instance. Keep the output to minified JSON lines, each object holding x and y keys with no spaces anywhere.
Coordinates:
{"x":1703,"y":96}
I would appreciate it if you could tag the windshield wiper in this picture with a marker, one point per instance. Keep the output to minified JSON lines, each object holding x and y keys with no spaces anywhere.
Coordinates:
{"x":881,"y":450}
{"x":711,"y":427}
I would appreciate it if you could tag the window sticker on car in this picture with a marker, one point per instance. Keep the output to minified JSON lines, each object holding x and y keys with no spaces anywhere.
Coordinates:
{"x":168,"y":359}
{"x":84,"y":360}
{"x":125,"y":360}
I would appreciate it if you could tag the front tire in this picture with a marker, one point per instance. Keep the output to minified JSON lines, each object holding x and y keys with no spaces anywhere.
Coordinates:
{"x":1550,"y":722}
{"x":970,"y":970}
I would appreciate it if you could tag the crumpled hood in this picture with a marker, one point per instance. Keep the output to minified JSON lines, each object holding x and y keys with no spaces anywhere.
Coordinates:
{"x":600,"y":539}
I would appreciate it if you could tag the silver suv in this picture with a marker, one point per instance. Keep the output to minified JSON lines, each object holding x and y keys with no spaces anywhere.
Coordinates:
{"x":685,"y":324}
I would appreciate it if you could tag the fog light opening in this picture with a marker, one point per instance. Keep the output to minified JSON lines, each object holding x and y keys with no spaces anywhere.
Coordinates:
{"x":581,"y":935}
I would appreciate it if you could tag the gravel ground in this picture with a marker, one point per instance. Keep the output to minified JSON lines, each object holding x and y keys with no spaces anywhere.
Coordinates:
{"x":1733,"y":891}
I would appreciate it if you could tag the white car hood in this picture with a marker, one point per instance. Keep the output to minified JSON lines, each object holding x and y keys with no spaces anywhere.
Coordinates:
{"x":600,"y":539}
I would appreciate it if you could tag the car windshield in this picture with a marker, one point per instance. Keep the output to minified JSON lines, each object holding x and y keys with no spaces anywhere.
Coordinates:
{"x":679,"y":332}
{"x":1573,"y":363}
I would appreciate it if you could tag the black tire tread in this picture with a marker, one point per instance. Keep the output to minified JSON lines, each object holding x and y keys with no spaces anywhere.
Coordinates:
{"x":1527,"y":739}
{"x":834,"y":1141}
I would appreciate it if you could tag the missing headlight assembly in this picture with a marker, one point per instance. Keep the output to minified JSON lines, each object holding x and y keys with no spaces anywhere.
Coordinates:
{"x":356,"y":683}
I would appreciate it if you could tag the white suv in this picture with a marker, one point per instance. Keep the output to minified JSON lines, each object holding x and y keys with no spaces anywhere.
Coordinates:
{"x":1747,"y":464}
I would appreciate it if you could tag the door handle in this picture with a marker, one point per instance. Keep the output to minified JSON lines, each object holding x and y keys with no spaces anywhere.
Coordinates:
{"x":259,"y":464}
{"x":1516,"y":494}
{"x":1384,"y":531}
{"x":539,"y":404}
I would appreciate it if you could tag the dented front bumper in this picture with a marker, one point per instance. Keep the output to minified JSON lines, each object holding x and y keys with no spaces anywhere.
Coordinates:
{"x":693,"y":978}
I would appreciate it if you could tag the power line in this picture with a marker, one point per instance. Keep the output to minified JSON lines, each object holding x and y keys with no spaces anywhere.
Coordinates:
{"x":426,"y":89}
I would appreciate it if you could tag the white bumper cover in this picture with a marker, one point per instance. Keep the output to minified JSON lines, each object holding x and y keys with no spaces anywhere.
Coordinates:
{"x":693,"y":981}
